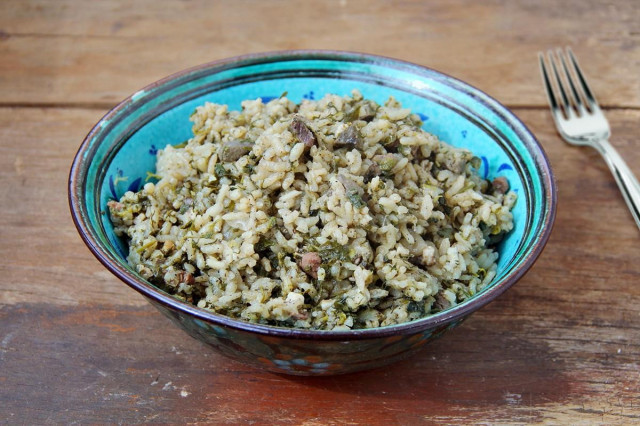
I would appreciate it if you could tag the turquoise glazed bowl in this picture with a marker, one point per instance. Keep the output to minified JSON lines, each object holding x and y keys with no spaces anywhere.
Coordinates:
{"x":119,"y":155}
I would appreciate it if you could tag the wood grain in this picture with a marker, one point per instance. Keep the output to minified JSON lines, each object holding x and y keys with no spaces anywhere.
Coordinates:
{"x":129,"y":364}
{"x":72,"y":52}
{"x":78,"y":346}
{"x":33,"y":175}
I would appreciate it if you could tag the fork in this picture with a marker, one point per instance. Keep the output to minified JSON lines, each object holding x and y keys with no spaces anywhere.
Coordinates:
{"x":580,"y":121}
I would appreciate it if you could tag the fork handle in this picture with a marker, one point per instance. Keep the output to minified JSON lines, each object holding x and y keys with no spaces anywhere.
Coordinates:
{"x":627,"y":182}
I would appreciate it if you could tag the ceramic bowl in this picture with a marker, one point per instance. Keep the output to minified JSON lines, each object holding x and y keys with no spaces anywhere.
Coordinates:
{"x":118,"y":155}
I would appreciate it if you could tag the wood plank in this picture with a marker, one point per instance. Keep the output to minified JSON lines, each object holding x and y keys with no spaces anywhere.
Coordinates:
{"x":49,"y":263}
{"x":72,"y":53}
{"x":130,"y":364}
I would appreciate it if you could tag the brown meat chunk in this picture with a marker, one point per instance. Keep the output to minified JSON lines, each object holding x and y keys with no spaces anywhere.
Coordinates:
{"x":350,"y":185}
{"x":355,"y":193}
{"x":391,"y":145}
{"x":373,"y":171}
{"x":350,"y":138}
{"x":232,"y":150}
{"x":115,"y":205}
{"x":300,"y":316}
{"x":416,"y":261}
{"x":310,"y":262}
{"x":302,"y":132}
{"x":500,"y":185}
{"x":367,"y":112}
{"x":441,"y":302}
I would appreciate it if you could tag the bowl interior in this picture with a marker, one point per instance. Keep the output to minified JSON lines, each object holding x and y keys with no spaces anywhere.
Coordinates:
{"x":121,"y":151}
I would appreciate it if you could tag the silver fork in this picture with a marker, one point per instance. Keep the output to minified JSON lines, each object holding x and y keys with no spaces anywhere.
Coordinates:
{"x":580,"y":121}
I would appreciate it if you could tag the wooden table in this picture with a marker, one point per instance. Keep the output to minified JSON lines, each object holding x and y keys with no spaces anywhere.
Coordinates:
{"x":77,"y":345}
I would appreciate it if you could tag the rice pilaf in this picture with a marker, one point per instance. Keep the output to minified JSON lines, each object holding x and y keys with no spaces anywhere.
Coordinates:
{"x":333,"y":214}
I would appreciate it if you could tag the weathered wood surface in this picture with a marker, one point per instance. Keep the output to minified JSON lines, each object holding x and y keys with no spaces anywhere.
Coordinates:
{"x":77,"y":345}
{"x":69,"y":52}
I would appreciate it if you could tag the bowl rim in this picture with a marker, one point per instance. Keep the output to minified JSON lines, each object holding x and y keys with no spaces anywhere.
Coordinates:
{"x":448,"y":316}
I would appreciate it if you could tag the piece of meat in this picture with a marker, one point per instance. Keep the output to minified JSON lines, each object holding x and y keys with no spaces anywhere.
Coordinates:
{"x":350,"y":138}
{"x":310,"y":263}
{"x":441,"y":302}
{"x":366,"y":113}
{"x":302,"y":132}
{"x":354,"y":192}
{"x":232,"y":150}
{"x":300,"y":316}
{"x":416,"y":261}
{"x":350,"y":185}
{"x":373,"y":171}
{"x":500,"y":185}
{"x":392,"y":145}
{"x":115,"y":205}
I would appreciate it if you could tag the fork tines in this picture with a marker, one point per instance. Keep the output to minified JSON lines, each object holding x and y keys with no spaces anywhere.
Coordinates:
{"x":579,"y":99}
